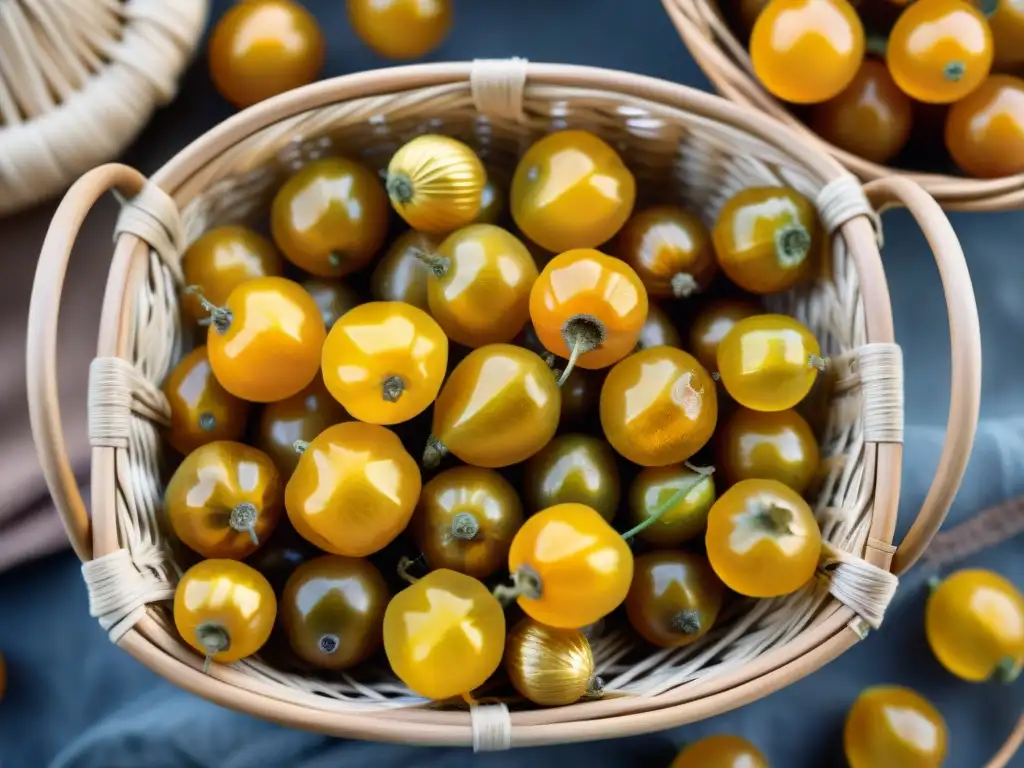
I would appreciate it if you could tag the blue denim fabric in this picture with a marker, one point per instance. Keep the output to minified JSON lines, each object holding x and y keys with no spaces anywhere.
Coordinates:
{"x":60,"y":661}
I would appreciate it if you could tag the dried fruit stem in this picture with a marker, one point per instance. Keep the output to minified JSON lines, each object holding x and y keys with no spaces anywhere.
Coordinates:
{"x":582,"y":334}
{"x":433,"y":453}
{"x":243,"y":519}
{"x":439,"y":265}
{"x":683,"y":285}
{"x":300,"y":446}
{"x":392,"y":388}
{"x":525,"y":583}
{"x":220,"y":317}
{"x":686,"y":622}
{"x":399,"y":187}
{"x":214,"y":639}
{"x":403,"y":570}
{"x":465,"y":526}
{"x":792,"y":244}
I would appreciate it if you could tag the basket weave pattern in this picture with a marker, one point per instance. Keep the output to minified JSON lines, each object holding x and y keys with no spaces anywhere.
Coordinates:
{"x":726,"y":62}
{"x":689,"y":148}
{"x":78,"y":81}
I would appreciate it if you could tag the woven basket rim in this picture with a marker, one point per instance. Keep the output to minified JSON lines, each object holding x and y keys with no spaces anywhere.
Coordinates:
{"x":824,"y":639}
{"x":128,"y":82}
{"x":726,"y":63}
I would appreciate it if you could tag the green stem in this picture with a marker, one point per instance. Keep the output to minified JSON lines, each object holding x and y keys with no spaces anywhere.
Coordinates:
{"x":214,"y":639}
{"x":465,"y":526}
{"x":220,"y":317}
{"x":392,"y":388}
{"x":792,"y":244}
{"x":525,"y":583}
{"x":1008,"y":670}
{"x":683,"y":285}
{"x":702,"y":474}
{"x":573,"y":357}
{"x":300,"y":446}
{"x":403,"y":570}
{"x":438,"y":265}
{"x":434,"y":451}
{"x":243,"y":519}
{"x":686,"y":622}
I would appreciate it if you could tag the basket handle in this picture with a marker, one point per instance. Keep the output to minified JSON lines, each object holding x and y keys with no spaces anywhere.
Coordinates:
{"x":965,"y":346}
{"x":41,"y":358}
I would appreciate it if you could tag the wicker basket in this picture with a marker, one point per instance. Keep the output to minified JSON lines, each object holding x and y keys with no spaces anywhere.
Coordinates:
{"x":727,"y":65}
{"x":680,"y":143}
{"x":79,"y":79}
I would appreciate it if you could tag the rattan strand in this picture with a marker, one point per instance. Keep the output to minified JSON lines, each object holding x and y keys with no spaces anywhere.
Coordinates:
{"x":726,"y":62}
{"x":732,"y":160}
{"x":78,"y":81}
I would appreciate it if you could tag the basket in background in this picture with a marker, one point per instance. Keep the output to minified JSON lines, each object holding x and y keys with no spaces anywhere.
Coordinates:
{"x":681,"y":144}
{"x":78,"y":80}
{"x":726,"y":62}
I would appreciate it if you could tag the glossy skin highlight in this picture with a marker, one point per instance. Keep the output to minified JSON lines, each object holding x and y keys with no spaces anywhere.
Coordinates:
{"x":573,"y":468}
{"x":384,"y":361}
{"x":400,"y":275}
{"x":807,"y":51}
{"x":401,"y":29}
{"x":354,"y":489}
{"x":332,"y":611}
{"x":985,"y":129}
{"x":658,"y":330}
{"x":581,"y":566}
{"x":479,"y":546}
{"x":683,"y":521}
{"x":766,"y":238}
{"x":202,"y":411}
{"x":331,"y":217}
{"x":767,"y":362}
{"x":658,"y":406}
{"x":302,"y":416}
{"x":762,"y":539}
{"x":261,"y":48}
{"x":586,"y":283}
{"x":674,"y":599}
{"x":711,"y":325}
{"x":333,"y":297}
{"x":767,"y":446}
{"x":571,"y":190}
{"x":871,"y":118}
{"x":222,"y":259}
{"x":498,"y":407}
{"x":207,"y":488}
{"x":720,"y":751}
{"x":269,"y":347}
{"x":890,"y":726}
{"x":231,"y":598}
{"x":669,"y":249}
{"x":483,"y":295}
{"x":974,"y":622}
{"x":939,"y":50}
{"x":444,"y":635}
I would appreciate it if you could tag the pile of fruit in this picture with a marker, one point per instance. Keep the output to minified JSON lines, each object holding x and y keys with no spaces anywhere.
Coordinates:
{"x":536,"y":400}
{"x":864,"y":73}
{"x":459,"y":455}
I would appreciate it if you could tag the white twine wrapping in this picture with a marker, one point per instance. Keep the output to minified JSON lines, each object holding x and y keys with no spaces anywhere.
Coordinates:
{"x":492,"y":727}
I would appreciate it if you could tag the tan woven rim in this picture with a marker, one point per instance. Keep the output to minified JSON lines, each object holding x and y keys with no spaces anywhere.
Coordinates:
{"x":221,"y":174}
{"x":726,"y":63}
{"x":79,"y":79}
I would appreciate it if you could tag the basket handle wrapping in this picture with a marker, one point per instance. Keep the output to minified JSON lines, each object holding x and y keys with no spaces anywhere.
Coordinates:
{"x":41,"y":358}
{"x":965,"y":346}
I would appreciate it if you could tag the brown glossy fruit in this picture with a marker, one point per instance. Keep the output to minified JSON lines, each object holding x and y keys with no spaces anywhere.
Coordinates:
{"x":466,"y":519}
{"x":332,"y":610}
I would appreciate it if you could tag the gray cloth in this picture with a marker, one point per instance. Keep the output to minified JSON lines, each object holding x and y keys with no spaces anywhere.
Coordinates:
{"x":75,"y":701}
